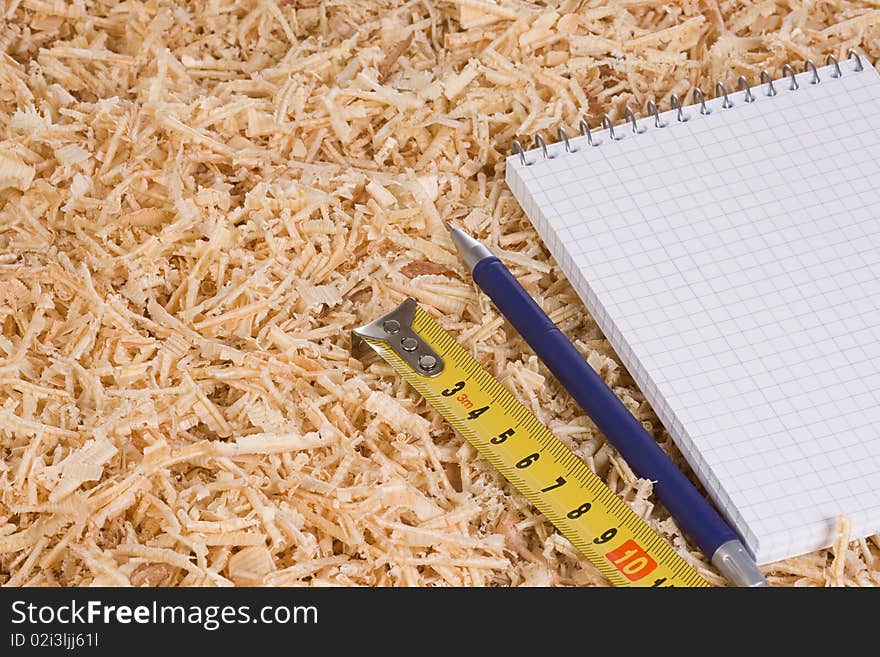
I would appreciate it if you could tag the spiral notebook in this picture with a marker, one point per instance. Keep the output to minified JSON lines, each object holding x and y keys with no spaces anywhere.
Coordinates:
{"x":730,"y":252}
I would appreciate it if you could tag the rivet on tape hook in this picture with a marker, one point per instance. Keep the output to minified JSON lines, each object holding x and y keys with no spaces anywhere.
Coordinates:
{"x":395,"y":330}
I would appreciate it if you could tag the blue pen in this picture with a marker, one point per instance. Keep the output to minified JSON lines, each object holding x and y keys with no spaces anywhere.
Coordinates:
{"x":692,"y":511}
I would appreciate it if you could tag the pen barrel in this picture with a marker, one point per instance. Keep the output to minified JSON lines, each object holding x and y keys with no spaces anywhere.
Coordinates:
{"x":691,"y":510}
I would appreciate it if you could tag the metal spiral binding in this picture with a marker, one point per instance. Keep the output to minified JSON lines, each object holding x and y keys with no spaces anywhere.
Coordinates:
{"x":791,"y":74}
{"x":631,"y":117}
{"x":652,"y":110}
{"x":701,"y":99}
{"x":719,"y":86}
{"x":766,"y":79}
{"x":676,"y":105}
{"x":742,"y":82}
{"x":810,"y":66}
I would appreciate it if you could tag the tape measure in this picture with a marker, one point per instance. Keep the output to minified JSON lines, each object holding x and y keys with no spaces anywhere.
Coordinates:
{"x":549,"y":474}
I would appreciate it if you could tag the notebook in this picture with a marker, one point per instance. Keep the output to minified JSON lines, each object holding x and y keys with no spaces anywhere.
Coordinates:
{"x":732,"y":258}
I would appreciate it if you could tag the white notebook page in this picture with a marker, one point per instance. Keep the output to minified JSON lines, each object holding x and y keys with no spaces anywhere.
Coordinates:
{"x":733,"y":261}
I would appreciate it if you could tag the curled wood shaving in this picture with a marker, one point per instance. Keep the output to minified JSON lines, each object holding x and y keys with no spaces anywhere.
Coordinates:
{"x":198,"y":201}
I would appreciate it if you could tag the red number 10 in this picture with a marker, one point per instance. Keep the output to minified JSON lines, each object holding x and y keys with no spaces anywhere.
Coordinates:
{"x":631,"y":560}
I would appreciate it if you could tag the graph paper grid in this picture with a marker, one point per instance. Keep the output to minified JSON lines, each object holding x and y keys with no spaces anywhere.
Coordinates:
{"x":733,"y":262}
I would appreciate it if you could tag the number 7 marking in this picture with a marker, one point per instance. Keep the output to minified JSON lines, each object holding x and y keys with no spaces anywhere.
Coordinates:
{"x":559,"y":482}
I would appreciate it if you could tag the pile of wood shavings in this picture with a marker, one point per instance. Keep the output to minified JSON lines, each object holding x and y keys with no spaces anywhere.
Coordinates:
{"x":199,"y":200}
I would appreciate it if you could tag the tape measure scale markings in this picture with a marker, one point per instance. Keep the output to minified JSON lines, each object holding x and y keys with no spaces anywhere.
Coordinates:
{"x":558,"y":483}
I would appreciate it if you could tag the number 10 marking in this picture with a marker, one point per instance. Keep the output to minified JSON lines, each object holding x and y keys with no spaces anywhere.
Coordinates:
{"x":631,"y":560}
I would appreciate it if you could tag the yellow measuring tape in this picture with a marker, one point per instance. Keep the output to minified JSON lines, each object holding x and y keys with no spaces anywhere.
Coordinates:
{"x":549,"y":474}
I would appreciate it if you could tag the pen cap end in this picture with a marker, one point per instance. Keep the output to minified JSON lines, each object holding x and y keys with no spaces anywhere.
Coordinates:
{"x":734,"y":562}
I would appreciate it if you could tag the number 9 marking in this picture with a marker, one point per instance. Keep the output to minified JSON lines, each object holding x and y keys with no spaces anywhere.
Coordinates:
{"x":606,"y":536}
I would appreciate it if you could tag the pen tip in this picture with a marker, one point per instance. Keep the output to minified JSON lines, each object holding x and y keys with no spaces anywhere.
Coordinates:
{"x":449,"y":226}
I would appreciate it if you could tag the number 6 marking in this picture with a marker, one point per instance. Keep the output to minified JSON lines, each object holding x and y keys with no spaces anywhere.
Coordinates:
{"x":527,"y":461}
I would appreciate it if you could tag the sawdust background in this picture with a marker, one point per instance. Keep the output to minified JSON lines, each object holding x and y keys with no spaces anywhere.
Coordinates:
{"x":199,"y":200}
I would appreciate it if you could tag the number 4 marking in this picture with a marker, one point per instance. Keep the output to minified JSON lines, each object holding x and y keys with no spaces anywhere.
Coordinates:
{"x":477,"y":412}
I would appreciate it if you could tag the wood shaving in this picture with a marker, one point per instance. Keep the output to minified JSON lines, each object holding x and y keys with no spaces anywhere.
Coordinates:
{"x":198,"y":201}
